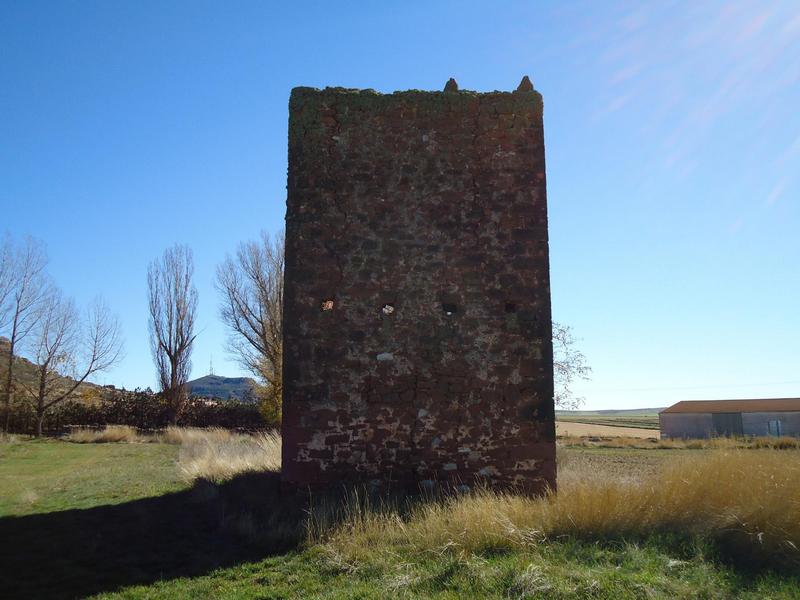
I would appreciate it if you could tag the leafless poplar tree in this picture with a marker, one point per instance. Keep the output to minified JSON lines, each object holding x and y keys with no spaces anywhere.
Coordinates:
{"x":68,"y":349}
{"x":173,"y":303}
{"x":25,"y":286}
{"x":251,"y":285}
{"x":569,"y":364}
{"x":6,"y":279}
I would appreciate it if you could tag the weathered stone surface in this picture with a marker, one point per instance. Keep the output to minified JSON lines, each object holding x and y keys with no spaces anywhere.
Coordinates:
{"x":417,"y":339}
{"x":525,"y":85}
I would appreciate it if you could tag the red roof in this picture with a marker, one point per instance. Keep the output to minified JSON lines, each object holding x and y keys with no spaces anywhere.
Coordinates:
{"x":735,"y":406}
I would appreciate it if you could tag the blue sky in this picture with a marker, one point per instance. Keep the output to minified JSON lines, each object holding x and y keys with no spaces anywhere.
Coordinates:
{"x":673,"y":159}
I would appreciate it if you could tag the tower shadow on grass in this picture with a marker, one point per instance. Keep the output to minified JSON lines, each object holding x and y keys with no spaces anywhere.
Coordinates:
{"x":76,"y":553}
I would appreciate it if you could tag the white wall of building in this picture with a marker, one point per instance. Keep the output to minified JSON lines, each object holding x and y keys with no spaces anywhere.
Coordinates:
{"x":685,"y":425}
{"x":700,"y":425}
{"x":758,"y":423}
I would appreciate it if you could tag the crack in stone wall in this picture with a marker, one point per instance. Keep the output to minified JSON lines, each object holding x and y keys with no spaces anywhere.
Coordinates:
{"x":433,"y":203}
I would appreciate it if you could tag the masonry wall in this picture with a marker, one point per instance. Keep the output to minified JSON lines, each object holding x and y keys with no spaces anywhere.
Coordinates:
{"x":417,"y":327}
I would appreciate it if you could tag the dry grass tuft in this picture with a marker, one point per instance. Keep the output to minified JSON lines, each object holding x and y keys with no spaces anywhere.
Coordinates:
{"x":9,"y":438}
{"x":218,"y":455}
{"x":213,"y":454}
{"x":195,"y":435}
{"x":778,"y":443}
{"x":749,"y":501}
{"x":110,"y":434}
{"x":29,"y":497}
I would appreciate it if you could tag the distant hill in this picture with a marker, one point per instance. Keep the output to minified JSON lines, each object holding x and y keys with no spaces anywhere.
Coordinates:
{"x":223,"y":388}
{"x":23,"y":368}
{"x":628,"y":412}
{"x":27,"y":373}
{"x":210,"y":386}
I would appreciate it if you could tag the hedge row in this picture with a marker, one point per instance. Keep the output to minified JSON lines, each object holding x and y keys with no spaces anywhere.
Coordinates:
{"x":141,"y":409}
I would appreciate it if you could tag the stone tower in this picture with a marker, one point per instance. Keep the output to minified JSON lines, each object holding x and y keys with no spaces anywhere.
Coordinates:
{"x":417,"y":328}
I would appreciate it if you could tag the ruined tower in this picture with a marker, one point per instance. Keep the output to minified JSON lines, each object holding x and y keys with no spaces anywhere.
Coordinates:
{"x":417,"y":331}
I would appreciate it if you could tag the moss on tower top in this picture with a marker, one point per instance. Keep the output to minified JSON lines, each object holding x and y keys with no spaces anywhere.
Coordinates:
{"x":523,"y":99}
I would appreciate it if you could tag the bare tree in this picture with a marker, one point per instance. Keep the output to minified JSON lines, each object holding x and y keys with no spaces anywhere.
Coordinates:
{"x":27,"y":286}
{"x":7,"y":278}
{"x":569,"y":364}
{"x":251,"y":285}
{"x":173,"y":302}
{"x":68,"y":349}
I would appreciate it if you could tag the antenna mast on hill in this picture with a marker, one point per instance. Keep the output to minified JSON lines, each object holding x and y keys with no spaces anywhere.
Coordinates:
{"x":211,"y":365}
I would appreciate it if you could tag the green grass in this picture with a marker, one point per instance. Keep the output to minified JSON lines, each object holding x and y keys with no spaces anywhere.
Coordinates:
{"x":560,"y":570}
{"x":640,"y":421}
{"x":46,"y":476}
{"x":116,"y":521}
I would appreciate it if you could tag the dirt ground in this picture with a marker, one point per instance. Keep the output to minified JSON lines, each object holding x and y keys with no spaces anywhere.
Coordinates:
{"x":613,"y":462}
{"x":579,"y":429}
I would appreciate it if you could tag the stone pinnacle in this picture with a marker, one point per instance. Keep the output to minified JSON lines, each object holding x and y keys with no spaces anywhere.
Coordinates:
{"x":451,"y":85}
{"x":525,"y":85}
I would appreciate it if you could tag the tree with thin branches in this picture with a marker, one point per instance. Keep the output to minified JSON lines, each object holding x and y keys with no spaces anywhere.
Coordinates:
{"x":25,"y":287}
{"x":68,"y":349}
{"x":7,"y":279}
{"x":172,"y":301}
{"x":569,"y":364}
{"x":251,"y":286}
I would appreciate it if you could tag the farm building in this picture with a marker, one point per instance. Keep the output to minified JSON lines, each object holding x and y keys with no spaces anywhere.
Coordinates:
{"x":708,"y":418}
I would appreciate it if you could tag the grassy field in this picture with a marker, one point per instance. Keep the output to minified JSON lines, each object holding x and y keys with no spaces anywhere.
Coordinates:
{"x":45,"y":476}
{"x":569,"y":428}
{"x":637,"y":421}
{"x":131,"y":520}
